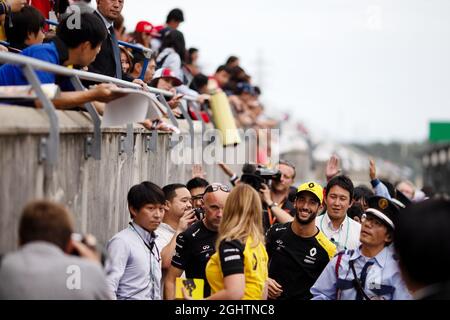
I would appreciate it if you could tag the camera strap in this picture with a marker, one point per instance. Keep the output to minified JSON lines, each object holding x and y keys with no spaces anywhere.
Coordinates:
{"x":150,"y":245}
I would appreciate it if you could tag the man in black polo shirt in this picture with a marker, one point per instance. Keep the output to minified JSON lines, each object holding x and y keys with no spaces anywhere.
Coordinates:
{"x":197,"y":244}
{"x":298,"y":251}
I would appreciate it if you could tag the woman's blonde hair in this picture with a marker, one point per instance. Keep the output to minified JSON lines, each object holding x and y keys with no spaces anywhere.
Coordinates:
{"x":242,"y":217}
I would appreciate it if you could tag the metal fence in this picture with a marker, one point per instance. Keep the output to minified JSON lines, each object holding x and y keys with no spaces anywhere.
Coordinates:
{"x":48,"y":151}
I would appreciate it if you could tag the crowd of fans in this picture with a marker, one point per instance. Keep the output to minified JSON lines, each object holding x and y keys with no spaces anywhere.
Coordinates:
{"x":238,"y":243}
{"x":262,"y":238}
{"x":172,"y":66}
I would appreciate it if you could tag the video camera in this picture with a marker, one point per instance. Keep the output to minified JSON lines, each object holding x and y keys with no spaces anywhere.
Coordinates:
{"x":199,"y":213}
{"x":257,"y":175}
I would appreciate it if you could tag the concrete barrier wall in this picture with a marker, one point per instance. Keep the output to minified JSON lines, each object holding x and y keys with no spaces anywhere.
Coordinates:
{"x":94,"y":190}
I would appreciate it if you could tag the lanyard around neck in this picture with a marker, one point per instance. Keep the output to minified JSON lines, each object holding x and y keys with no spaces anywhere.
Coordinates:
{"x":149,"y":246}
{"x":346,"y":237}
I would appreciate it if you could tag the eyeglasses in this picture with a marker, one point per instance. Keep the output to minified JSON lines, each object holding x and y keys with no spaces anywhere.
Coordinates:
{"x":372,"y":220}
{"x":216,"y":186}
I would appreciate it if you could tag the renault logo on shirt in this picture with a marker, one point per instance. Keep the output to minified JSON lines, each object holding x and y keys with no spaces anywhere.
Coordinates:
{"x":310,"y":258}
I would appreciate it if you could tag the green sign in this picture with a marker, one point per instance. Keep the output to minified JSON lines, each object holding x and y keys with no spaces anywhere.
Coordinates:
{"x":439,"y":131}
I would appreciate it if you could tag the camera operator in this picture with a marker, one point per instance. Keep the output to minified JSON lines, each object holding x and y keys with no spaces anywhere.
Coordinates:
{"x":276,"y":204}
{"x":196,"y":187}
{"x":49,"y":259}
{"x":196,"y":245}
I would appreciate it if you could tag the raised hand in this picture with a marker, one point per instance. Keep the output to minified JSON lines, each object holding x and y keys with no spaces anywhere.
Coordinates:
{"x":372,"y":170}
{"x":332,"y":168}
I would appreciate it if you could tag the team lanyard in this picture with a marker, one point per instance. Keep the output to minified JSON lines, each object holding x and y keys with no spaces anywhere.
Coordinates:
{"x":348,"y":228}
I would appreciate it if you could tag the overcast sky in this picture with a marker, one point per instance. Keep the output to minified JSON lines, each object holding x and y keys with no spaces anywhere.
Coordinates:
{"x":352,"y":70}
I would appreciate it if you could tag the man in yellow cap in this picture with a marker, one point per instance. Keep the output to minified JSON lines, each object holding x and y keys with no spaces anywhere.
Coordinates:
{"x":298,"y":250}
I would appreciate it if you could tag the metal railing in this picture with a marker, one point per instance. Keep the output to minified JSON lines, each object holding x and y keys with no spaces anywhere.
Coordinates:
{"x":49,"y":146}
{"x":145,"y":51}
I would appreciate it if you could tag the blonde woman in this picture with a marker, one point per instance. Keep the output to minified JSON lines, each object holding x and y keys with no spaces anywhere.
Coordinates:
{"x":238,"y":270}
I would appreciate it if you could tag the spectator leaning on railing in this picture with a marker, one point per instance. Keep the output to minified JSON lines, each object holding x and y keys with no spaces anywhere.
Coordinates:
{"x":24,"y":28}
{"x":138,"y":64}
{"x":107,"y":61}
{"x":70,"y":47}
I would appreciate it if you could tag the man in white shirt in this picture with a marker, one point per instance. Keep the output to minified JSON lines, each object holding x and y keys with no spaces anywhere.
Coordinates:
{"x":179,"y":215}
{"x":335,"y":224}
{"x":134,"y":264}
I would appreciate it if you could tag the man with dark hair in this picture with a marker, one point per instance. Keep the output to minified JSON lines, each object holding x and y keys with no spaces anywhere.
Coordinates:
{"x":369,"y":272}
{"x":196,"y":187}
{"x":174,"y":18}
{"x":71,"y":47}
{"x":222,"y":75}
{"x":335,"y":223}
{"x":298,"y":251}
{"x":107,"y":61}
{"x":43,"y":268}
{"x":178,"y":216}
{"x":24,"y":28}
{"x":133,"y":268}
{"x":197,"y":244}
{"x":173,"y":21}
{"x":232,"y":62}
{"x":422,"y":242}
{"x":361,"y":194}
{"x":138,"y":64}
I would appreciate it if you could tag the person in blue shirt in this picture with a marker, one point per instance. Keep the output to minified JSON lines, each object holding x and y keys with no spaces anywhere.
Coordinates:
{"x":72,"y":47}
{"x":371,"y":271}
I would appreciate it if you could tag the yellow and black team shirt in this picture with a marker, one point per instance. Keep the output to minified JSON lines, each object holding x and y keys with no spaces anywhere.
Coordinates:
{"x":296,"y":262}
{"x":234,"y":257}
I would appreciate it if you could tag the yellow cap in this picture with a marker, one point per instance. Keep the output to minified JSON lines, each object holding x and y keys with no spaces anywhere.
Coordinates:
{"x":312,"y":187}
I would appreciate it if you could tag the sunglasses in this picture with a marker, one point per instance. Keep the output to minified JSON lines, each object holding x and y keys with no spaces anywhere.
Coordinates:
{"x":217,"y":186}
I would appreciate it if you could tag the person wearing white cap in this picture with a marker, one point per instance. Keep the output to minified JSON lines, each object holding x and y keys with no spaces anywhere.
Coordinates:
{"x":370,"y":272}
{"x":166,"y":79}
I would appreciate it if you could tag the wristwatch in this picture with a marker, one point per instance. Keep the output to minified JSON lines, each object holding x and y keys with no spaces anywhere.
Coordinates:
{"x":273,"y":204}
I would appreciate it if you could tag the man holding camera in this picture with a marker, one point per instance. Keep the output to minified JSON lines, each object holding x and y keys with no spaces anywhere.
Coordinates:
{"x":50,"y":264}
{"x":196,"y":245}
{"x":277,"y":207}
{"x":178,"y":216}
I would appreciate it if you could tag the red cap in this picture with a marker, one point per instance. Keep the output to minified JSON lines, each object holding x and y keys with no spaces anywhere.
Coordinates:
{"x":157,"y":29}
{"x":168,"y":74}
{"x":144,"y":27}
